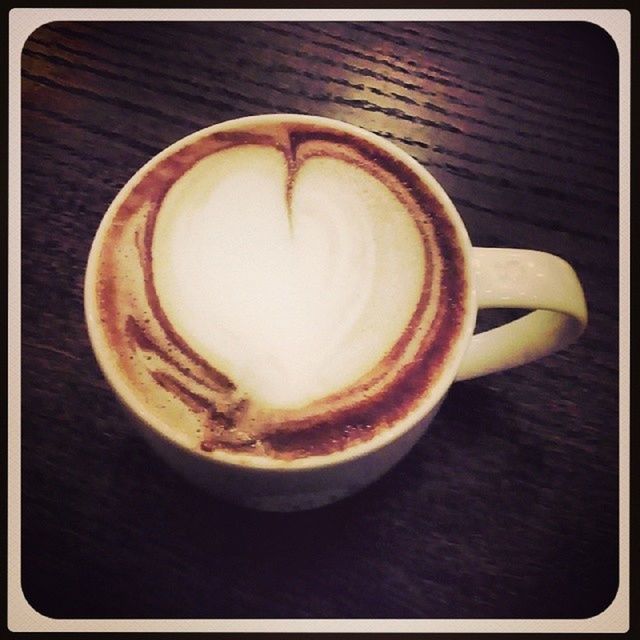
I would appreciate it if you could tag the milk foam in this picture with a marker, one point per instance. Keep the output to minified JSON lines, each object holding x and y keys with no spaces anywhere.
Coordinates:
{"x":294,"y":298}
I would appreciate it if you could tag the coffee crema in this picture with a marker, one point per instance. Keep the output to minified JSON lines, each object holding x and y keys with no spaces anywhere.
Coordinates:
{"x":284,"y":290}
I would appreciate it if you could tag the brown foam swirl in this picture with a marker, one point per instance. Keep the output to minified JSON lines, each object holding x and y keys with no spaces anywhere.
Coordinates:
{"x":196,"y":395}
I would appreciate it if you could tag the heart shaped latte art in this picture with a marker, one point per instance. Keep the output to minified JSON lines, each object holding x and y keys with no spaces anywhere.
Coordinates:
{"x":295,"y":286}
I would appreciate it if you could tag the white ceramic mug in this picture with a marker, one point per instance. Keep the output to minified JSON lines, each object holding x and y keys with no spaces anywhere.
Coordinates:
{"x":498,"y":278}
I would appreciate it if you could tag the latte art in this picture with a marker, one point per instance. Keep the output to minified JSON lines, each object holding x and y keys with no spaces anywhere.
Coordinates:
{"x":285,"y":290}
{"x":295,"y":296}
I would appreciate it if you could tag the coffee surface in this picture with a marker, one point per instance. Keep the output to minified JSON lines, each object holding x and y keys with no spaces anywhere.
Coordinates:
{"x":283,"y":290}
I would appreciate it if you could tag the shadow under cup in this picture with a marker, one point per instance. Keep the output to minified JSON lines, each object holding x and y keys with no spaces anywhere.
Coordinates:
{"x":377,"y":242}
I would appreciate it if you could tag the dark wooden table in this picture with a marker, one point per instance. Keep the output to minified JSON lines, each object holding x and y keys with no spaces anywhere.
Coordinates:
{"x":508,"y":507}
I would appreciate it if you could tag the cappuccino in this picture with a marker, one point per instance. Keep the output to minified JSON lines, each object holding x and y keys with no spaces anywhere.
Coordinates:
{"x":285,"y":289}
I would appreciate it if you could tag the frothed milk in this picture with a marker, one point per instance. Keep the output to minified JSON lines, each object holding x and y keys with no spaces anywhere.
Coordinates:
{"x":284,"y":290}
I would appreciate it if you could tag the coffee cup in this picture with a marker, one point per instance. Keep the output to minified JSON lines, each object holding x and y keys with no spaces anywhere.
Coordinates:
{"x":282,"y":302}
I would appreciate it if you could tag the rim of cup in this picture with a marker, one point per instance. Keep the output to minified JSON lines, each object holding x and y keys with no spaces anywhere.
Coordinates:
{"x":424,"y":407}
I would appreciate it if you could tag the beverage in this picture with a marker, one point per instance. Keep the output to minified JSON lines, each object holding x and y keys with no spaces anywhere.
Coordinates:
{"x":283,"y":301}
{"x":281,"y":287}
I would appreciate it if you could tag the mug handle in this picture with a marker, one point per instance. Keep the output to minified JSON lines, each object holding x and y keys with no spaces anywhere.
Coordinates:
{"x":523,"y":279}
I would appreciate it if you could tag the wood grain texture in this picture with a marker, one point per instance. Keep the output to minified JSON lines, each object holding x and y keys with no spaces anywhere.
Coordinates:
{"x":508,"y":507}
